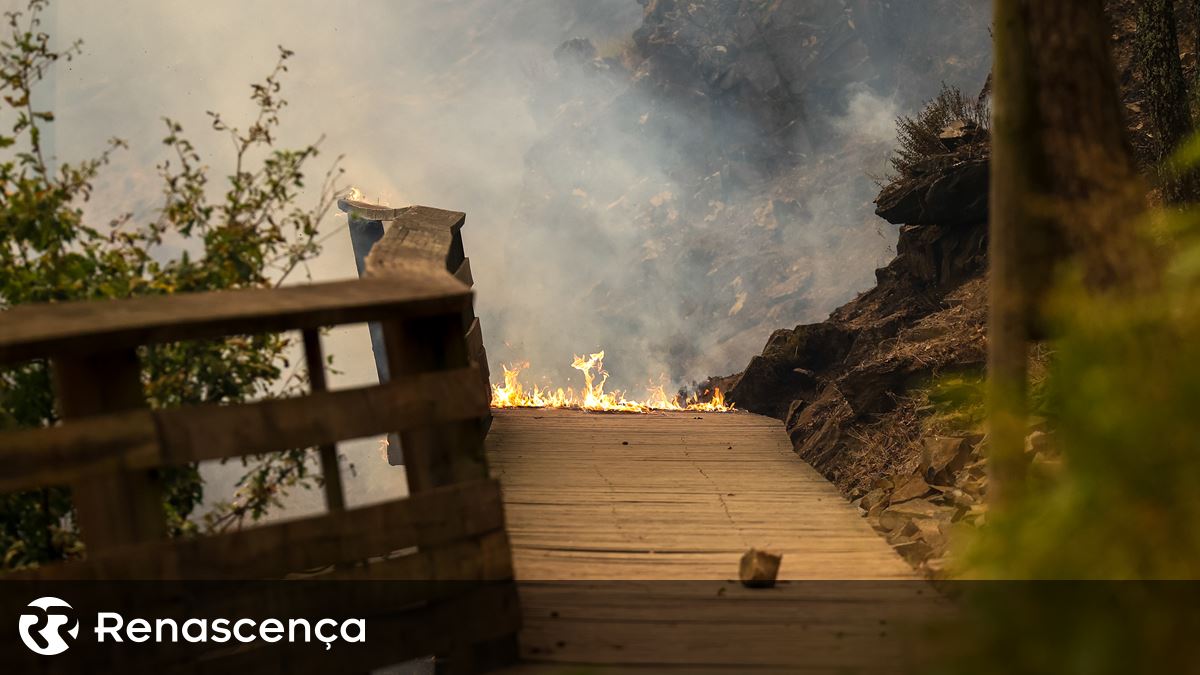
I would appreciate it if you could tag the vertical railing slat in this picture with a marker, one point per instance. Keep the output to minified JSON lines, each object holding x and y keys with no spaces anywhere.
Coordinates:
{"x":335,"y":499}
{"x":115,"y":507}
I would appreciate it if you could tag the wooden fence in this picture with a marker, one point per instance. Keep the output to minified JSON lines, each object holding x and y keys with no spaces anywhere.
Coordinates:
{"x":451,"y":526}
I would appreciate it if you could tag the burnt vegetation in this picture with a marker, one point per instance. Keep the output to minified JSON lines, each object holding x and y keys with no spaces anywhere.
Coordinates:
{"x":951,"y":128}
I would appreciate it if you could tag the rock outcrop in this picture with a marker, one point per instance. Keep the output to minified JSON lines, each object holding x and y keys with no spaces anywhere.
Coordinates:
{"x":853,"y":389}
{"x":924,"y":319}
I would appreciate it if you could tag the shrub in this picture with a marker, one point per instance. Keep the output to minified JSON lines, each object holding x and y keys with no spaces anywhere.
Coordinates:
{"x":253,"y":234}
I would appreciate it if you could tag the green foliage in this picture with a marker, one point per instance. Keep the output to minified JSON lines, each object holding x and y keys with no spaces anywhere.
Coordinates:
{"x":1120,"y":396}
{"x":247,"y":232}
{"x":957,"y":402}
{"x":1071,"y":628}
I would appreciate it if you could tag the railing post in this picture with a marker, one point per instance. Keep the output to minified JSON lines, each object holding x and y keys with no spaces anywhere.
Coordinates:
{"x":366,"y":229}
{"x":448,"y":453}
{"x":118,"y":506}
{"x":363,"y":236}
{"x":472,"y":329}
{"x":444,"y":454}
{"x":335,"y":500}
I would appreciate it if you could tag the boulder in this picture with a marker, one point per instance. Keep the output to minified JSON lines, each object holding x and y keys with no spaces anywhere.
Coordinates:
{"x":787,"y":369}
{"x":901,"y":515}
{"x":958,"y":133}
{"x":758,"y":569}
{"x":954,"y":195}
{"x":911,"y":487}
{"x":943,"y":456}
{"x":874,"y":502}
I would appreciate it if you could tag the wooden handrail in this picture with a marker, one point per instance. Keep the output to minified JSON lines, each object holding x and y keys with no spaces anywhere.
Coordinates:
{"x":433,"y":518}
{"x":89,"y":327}
{"x":147,"y":439}
{"x":417,"y":291}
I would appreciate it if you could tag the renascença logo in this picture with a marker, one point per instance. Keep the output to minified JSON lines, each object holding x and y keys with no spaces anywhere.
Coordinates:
{"x":48,"y":621}
{"x":44,"y":624}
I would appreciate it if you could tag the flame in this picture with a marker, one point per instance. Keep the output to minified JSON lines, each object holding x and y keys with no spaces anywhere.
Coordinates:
{"x":355,"y":195}
{"x":513,"y":394}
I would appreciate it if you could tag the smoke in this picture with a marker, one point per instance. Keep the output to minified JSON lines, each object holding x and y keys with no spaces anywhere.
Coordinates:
{"x":681,"y":204}
{"x":869,"y":116}
{"x":670,"y":210}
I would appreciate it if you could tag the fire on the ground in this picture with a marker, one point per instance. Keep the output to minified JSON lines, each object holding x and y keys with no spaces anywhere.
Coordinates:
{"x":513,"y":394}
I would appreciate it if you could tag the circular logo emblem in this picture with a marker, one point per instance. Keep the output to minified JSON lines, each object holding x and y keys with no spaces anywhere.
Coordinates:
{"x":46,"y":624}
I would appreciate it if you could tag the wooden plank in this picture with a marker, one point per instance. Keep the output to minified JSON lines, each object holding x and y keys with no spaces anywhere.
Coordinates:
{"x":863,"y":629}
{"x":463,"y":273}
{"x":533,"y":668}
{"x":57,"y":455}
{"x":331,"y":474}
{"x":436,"y":517}
{"x":478,"y":615}
{"x":824,"y":626}
{"x":62,"y":454}
{"x":115,"y":505}
{"x":446,"y":453}
{"x":676,"y":495}
{"x":627,"y":531}
{"x":215,"y":432}
{"x":477,"y":353}
{"x":486,"y":557}
{"x":87,"y":327}
{"x":365,"y":211}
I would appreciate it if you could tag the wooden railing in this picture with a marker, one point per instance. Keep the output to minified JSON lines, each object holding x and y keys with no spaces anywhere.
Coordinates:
{"x":422,"y":236}
{"x":109,"y":444}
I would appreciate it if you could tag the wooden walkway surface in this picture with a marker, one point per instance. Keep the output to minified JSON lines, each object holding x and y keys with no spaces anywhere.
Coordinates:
{"x":627,"y":531}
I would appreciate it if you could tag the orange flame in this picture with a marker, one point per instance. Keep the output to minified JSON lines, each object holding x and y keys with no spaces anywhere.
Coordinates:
{"x":513,"y":394}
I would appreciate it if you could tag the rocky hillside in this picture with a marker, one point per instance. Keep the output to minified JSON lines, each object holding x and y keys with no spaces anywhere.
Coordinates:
{"x":832,"y":381}
{"x":860,"y":391}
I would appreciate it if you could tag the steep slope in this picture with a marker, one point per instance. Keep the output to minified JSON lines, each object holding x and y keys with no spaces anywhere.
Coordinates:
{"x":856,"y":390}
{"x":833,"y":380}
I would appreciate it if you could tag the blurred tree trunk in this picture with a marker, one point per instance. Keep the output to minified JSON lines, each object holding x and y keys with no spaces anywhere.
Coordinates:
{"x":1158,"y":64}
{"x":1014,"y":236}
{"x":1064,"y":187}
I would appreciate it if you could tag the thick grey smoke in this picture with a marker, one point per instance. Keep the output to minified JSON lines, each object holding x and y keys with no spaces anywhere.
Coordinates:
{"x":607,"y":207}
{"x":716,"y":183}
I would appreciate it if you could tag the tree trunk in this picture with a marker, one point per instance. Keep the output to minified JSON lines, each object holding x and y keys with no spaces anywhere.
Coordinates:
{"x":1064,"y":187}
{"x":1161,"y":71}
{"x":1093,"y":193}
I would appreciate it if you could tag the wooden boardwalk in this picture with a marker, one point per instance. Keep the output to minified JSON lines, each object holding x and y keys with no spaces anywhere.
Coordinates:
{"x":626,"y":533}
{"x":625,"y":530}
